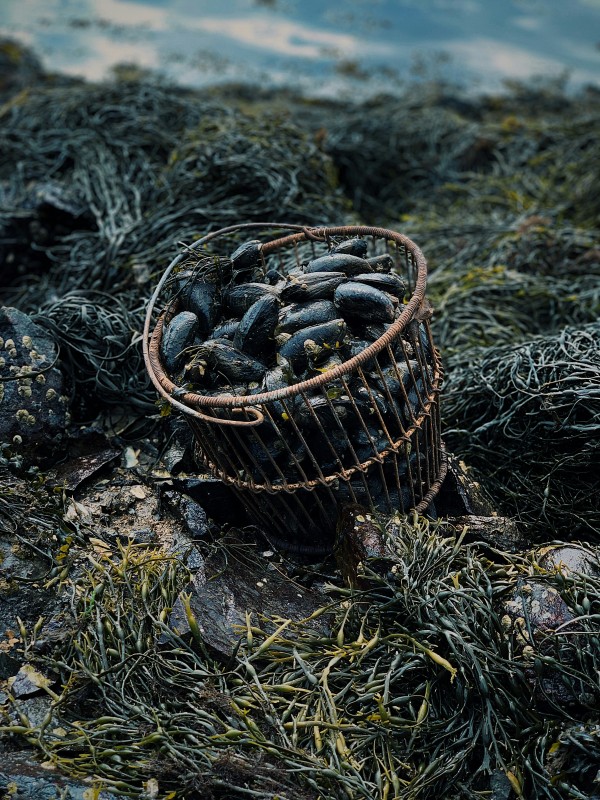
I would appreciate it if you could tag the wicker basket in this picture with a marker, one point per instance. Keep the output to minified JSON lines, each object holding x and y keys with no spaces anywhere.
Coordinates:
{"x":366,"y":431}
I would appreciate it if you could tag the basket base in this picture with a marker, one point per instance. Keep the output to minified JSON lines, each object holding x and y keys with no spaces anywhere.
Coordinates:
{"x":305,"y":521}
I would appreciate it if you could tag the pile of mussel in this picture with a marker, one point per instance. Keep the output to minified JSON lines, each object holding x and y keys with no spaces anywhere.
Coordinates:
{"x":247,"y":324}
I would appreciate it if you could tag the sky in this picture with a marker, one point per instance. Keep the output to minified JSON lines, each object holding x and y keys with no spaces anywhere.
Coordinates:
{"x":321,"y":47}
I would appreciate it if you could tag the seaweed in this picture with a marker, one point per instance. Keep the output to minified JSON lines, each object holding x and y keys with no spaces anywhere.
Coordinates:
{"x":528,"y":416}
{"x":494,"y":305}
{"x":417,"y":690}
{"x":99,"y":338}
{"x":100,"y":183}
{"x":423,"y":686}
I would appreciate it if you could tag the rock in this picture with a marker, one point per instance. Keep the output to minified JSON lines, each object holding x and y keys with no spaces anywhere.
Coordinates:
{"x":30,"y":710}
{"x":33,"y":406}
{"x":359,"y":538}
{"x":460,"y":494}
{"x":218,"y":500}
{"x":22,"y":778}
{"x":500,"y":786}
{"x":501,"y":533}
{"x":9,"y":665}
{"x":532,"y":615}
{"x":535,"y":609}
{"x":189,"y":512}
{"x":28,"y":681}
{"x":178,"y":454}
{"x":88,"y":452}
{"x":236,"y":579}
{"x":569,"y":558}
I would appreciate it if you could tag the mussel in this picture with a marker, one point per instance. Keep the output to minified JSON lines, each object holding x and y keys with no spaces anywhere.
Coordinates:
{"x":363,"y":302}
{"x":338,"y":262}
{"x":226,"y":330}
{"x":381,"y":263}
{"x":315,"y":286}
{"x":227,"y":361}
{"x":300,"y":315}
{"x":254,"y":335}
{"x":178,"y":335}
{"x":353,"y":247}
{"x":246,"y":258}
{"x":199,"y":297}
{"x":328,"y":334}
{"x":238,"y":299}
{"x":386,"y":282}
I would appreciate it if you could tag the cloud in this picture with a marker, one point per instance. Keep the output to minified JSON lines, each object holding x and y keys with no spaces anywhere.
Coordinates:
{"x":103,"y":53}
{"x":489,"y":56}
{"x":120,"y":12}
{"x":286,"y":37}
{"x":528,"y":23}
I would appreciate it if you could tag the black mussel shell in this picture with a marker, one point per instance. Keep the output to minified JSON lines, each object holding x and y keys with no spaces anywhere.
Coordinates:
{"x":338,"y":262}
{"x":246,"y":257}
{"x":322,"y":359}
{"x":370,"y":402}
{"x":238,"y":299}
{"x":328,"y":334}
{"x":227,"y":361}
{"x":199,"y":297}
{"x":389,"y":282}
{"x":226,"y":330}
{"x":375,"y":331}
{"x":331,"y":452}
{"x":356,"y":345}
{"x":363,"y":302}
{"x":370,"y":442}
{"x":352,"y":247}
{"x":273,"y":276}
{"x":417,"y":396}
{"x":257,"y":327}
{"x":382,"y":263}
{"x":299,"y":315}
{"x":263,"y":455}
{"x":419,"y":338}
{"x":179,"y":334}
{"x":316,"y":286}
{"x":321,"y":412}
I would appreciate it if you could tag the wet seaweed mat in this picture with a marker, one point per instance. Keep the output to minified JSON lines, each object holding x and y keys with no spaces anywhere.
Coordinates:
{"x":438,"y":678}
{"x":529,"y":416}
{"x":99,"y":184}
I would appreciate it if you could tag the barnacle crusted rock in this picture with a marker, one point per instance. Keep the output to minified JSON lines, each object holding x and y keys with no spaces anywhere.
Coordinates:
{"x":33,"y":405}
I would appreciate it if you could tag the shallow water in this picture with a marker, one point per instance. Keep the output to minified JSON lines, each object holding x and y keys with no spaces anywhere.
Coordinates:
{"x":326,"y":48}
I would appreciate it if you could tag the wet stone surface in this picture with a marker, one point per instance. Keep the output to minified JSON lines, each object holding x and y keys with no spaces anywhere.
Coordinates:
{"x":23,"y":778}
{"x":33,"y":406}
{"x":568,"y":559}
{"x":359,"y":538}
{"x":225,"y":588}
{"x":535,"y":613}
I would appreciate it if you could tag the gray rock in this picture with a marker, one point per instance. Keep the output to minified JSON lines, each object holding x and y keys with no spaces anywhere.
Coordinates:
{"x":33,"y":406}
{"x":236,"y":579}
{"x":569,"y":558}
{"x":189,"y":512}
{"x":22,"y":778}
{"x":360,"y":538}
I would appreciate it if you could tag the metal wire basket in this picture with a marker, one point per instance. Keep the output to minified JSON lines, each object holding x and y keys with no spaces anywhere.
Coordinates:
{"x":366,"y":431}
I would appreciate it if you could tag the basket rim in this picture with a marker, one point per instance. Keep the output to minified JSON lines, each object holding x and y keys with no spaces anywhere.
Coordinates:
{"x":188,"y":402}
